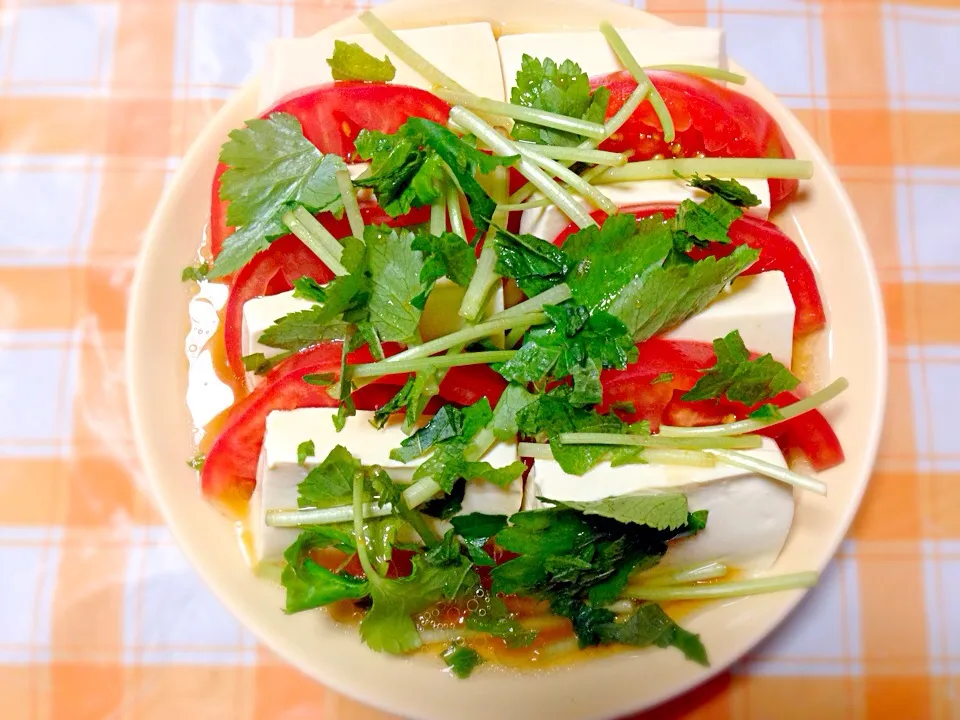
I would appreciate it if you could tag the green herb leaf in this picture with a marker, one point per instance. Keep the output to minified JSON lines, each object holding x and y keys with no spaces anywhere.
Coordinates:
{"x":446,"y":424}
{"x":666,"y":296}
{"x":536,"y":265}
{"x":309,"y":585}
{"x":446,"y":255}
{"x":196,"y":462}
{"x":320,"y":379}
{"x":330,"y":483}
{"x":270,"y":166}
{"x":195,"y":272}
{"x":461,"y":660}
{"x":730,"y":190}
{"x":650,"y":625}
{"x":708,"y":221}
{"x":304,"y":450}
{"x":260,"y":364}
{"x":395,"y":268}
{"x":306,"y":288}
{"x":563,"y":89}
{"x":768,"y":412}
{"x":497,"y":621}
{"x":352,"y":62}
{"x":739,"y":378}
{"x":609,"y":258}
{"x":514,"y":398}
{"x":664,"y":377}
{"x":446,"y":506}
{"x":302,"y":329}
{"x":663,"y":511}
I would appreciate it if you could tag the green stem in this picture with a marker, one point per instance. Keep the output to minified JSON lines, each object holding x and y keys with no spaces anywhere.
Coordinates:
{"x":438,"y":215}
{"x":465,"y":336}
{"x":316,"y":237}
{"x":392,"y":42}
{"x":775,"y":472}
{"x":741,"y":168}
{"x":453,"y":210}
{"x":554,"y":296}
{"x":361,"y":537}
{"x":567,"y":204}
{"x":703,"y":71}
{"x":674,"y":576}
{"x":577,"y":154}
{"x":735,"y":588}
{"x":323,"y":516}
{"x":811,"y":402}
{"x":482,"y":283}
{"x":384,"y":367}
{"x":576,"y":183}
{"x":348,"y":196}
{"x":514,"y":336}
{"x":631,"y":64}
{"x":524,"y":113}
{"x":748,"y":442}
{"x":530,"y":205}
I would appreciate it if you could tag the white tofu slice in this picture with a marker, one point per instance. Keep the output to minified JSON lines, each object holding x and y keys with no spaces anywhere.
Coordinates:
{"x":548,"y":222}
{"x":749,"y":515}
{"x":467,"y":53}
{"x":279,"y":474}
{"x":591,"y":51}
{"x":759,"y":306}
{"x":439,"y":317}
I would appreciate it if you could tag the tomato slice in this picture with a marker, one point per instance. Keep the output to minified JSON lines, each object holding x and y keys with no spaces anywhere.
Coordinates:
{"x":229,"y":471}
{"x":710,"y":119}
{"x":658,"y":403}
{"x":777,"y":252}
{"x":331,"y":115}
{"x":273,"y":271}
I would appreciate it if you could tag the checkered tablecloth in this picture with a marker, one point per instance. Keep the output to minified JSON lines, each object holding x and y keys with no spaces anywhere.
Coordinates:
{"x":100,"y":615}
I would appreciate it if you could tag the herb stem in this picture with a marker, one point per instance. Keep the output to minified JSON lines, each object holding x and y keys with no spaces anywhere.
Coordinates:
{"x":673,"y":576}
{"x":775,"y":472}
{"x":501,"y":146}
{"x":630,"y":63}
{"x":529,"y":205}
{"x":348,"y":195}
{"x":316,"y":237}
{"x":574,"y":181}
{"x":482,"y":283}
{"x":742,"y":168}
{"x":392,"y":42}
{"x":438,"y":215}
{"x":748,"y":442}
{"x":578,"y":154}
{"x":702,"y":71}
{"x":734,"y":588}
{"x":554,"y":296}
{"x":431,"y":363}
{"x":740,"y":427}
{"x":465,"y":336}
{"x":453,"y":210}
{"x":524,"y":113}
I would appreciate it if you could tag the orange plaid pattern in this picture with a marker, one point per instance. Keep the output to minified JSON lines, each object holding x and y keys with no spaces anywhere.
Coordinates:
{"x":98,"y":100}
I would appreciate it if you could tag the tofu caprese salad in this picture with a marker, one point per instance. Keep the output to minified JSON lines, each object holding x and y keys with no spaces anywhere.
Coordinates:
{"x":511,"y":338}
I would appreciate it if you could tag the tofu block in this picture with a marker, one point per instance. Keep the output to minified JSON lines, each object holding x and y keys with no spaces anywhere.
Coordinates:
{"x":467,"y":53}
{"x":279,"y":473}
{"x":749,"y":515}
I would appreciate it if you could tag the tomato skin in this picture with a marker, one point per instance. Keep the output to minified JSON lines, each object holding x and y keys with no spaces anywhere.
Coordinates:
{"x":273,"y":271}
{"x":229,"y":471}
{"x":708,"y":118}
{"x":809,"y":433}
{"x":331,"y":115}
{"x":777,"y":252}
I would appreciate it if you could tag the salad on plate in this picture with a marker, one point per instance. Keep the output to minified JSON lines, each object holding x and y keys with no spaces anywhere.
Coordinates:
{"x":508,"y":352}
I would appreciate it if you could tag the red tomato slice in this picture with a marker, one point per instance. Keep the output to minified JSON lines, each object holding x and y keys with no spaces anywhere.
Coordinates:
{"x":777,"y":252}
{"x":331,"y":116}
{"x":286,"y":259}
{"x":229,"y":471}
{"x":809,"y":433}
{"x":709,"y":119}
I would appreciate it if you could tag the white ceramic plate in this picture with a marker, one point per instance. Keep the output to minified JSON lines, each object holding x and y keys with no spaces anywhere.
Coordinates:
{"x":822,"y":220}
